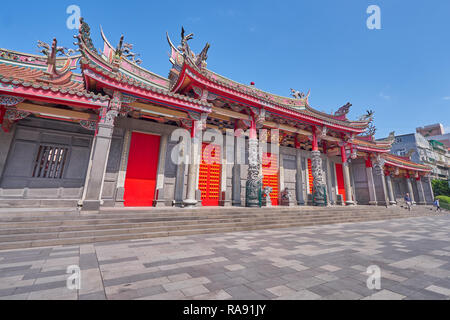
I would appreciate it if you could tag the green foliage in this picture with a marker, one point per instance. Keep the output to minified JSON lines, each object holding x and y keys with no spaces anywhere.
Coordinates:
{"x":441,"y":188}
{"x":443,"y":199}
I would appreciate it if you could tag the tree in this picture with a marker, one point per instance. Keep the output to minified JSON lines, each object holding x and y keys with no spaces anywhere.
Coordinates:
{"x":441,"y":188}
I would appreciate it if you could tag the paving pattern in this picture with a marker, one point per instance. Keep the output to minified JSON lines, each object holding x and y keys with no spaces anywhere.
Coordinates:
{"x":324,"y":262}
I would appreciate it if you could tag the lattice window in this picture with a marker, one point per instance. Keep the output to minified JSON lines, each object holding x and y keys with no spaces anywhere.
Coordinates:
{"x":50,"y":162}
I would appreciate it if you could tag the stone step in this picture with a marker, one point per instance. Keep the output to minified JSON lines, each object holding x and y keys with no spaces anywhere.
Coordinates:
{"x":136,"y":222}
{"x":42,"y":215}
{"x":114,"y":230}
{"x":82,"y":225}
{"x":183,"y":214}
{"x":137,"y":236}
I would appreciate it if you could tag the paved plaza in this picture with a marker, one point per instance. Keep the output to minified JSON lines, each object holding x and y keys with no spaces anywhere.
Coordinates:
{"x":325,"y":262}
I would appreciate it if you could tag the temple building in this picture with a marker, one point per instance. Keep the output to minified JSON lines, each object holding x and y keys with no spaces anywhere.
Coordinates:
{"x":120,"y":135}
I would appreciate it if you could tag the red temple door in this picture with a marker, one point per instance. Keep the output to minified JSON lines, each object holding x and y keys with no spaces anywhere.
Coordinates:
{"x":140,"y":181}
{"x":270,"y":173}
{"x":310,"y":177}
{"x":209,"y":175}
{"x":340,"y":181}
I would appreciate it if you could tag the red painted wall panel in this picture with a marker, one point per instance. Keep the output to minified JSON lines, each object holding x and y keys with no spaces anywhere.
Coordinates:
{"x":140,"y":181}
{"x":340,"y":181}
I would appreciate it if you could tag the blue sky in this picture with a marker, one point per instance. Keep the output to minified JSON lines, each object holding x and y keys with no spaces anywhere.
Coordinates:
{"x":402,"y":71}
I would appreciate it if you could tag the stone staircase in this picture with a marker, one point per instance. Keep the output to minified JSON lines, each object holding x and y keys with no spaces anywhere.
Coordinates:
{"x":20,"y":228}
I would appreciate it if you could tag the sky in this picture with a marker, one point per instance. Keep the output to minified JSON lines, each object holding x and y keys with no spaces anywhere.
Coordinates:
{"x":401,"y":71}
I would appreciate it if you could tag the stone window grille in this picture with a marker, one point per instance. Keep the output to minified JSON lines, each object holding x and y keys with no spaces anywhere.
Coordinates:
{"x":50,"y":162}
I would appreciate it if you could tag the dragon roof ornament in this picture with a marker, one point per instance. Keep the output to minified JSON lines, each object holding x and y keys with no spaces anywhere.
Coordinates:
{"x":183,"y":51}
{"x":343,"y":111}
{"x":51,"y":52}
{"x":84,"y":37}
{"x":125,"y":50}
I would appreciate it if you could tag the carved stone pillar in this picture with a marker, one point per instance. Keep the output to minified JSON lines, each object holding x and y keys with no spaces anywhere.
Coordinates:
{"x":319,"y":193}
{"x":253,"y":192}
{"x":100,"y":152}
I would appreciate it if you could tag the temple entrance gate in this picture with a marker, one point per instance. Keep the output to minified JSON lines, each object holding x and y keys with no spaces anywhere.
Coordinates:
{"x":209,"y":174}
{"x":270,"y":171}
{"x":140,"y":181}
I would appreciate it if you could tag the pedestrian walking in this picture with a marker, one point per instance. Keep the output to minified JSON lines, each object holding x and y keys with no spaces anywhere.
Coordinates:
{"x":436,"y":204}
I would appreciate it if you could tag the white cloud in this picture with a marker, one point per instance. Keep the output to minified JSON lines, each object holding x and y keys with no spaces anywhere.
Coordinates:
{"x":384,"y":96}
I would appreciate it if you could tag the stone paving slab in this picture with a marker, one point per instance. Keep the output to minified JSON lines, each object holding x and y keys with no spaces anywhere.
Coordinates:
{"x":322,"y":262}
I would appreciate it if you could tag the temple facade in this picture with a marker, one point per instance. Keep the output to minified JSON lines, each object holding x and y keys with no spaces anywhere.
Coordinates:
{"x":120,"y":135}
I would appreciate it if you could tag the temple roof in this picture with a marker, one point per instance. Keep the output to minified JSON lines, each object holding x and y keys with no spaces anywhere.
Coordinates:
{"x":114,"y":65}
{"x":300,"y":106}
{"x":403,"y":163}
{"x":31,"y":71}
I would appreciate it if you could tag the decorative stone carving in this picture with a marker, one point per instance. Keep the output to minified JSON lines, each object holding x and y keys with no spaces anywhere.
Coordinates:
{"x":319,"y":192}
{"x":379,"y":166}
{"x":260,"y":116}
{"x":109,"y":114}
{"x":89,"y":124}
{"x":254,"y":178}
{"x":267,"y":198}
{"x":10,"y":101}
{"x":286,"y":197}
{"x":15,"y":115}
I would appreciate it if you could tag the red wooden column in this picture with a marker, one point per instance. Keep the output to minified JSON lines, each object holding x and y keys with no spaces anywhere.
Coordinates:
{"x":315,"y":143}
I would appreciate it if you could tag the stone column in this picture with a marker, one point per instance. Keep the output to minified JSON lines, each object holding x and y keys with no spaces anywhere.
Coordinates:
{"x":239,"y":145}
{"x":320,"y":189}
{"x":227,"y":153}
{"x":100,"y":153}
{"x":410,"y":189}
{"x":299,"y":185}
{"x":371,"y":183}
{"x":196,"y":133}
{"x":428,"y":180}
{"x":347,"y":182}
{"x":123,"y":169}
{"x":160,"y":199}
{"x":180,"y":175}
{"x":253,"y":191}
{"x":390,"y":190}
{"x":422,"y":199}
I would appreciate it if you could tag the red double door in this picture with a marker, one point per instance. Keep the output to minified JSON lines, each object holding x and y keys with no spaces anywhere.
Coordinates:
{"x":210,"y":174}
{"x":270,"y":173}
{"x":140,"y":181}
